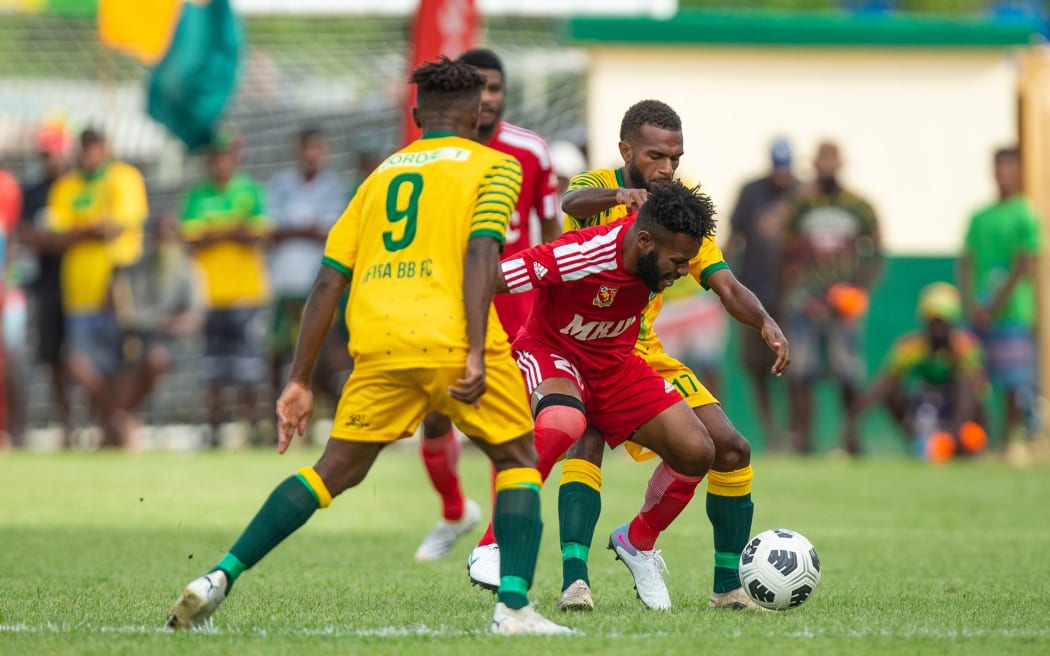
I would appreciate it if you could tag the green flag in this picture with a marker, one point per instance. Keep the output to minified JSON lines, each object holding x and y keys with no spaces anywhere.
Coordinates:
{"x":190,"y":86}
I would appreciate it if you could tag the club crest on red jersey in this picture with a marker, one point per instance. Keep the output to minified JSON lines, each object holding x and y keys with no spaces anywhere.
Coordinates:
{"x":605,"y":296}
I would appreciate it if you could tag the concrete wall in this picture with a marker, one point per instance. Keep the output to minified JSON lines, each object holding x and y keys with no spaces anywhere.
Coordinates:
{"x":917,"y":127}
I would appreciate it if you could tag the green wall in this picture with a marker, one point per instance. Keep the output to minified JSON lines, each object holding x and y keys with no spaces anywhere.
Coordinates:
{"x":892,"y":314}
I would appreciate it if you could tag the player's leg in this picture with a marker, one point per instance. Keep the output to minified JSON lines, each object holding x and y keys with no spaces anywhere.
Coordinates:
{"x":440,"y":450}
{"x":681,"y":440}
{"x":554,"y":388}
{"x":579,"y":506}
{"x":342,"y":465}
{"x":668,"y":491}
{"x":635,"y":402}
{"x":376,"y":408}
{"x":729,"y":506}
{"x":500,"y":427}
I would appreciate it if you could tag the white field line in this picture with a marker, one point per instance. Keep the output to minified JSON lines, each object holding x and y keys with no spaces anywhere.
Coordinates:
{"x":446,"y":632}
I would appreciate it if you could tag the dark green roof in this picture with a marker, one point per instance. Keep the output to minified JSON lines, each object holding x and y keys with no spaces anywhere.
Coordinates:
{"x":783,"y":29}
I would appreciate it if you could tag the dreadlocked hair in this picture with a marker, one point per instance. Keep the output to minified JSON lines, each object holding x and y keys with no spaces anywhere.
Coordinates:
{"x":678,"y":209}
{"x":648,"y":112}
{"x":447,"y":79}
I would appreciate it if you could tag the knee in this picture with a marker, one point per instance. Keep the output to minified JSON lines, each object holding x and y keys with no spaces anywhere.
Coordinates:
{"x":519,"y":452}
{"x":695,"y":455}
{"x":732,"y":451}
{"x":563,"y":414}
{"x":590,"y":447}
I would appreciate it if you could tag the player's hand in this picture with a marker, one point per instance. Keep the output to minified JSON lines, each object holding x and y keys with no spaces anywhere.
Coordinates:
{"x":293,"y":413}
{"x":632,"y":198}
{"x":776,"y":341}
{"x":471,"y":386}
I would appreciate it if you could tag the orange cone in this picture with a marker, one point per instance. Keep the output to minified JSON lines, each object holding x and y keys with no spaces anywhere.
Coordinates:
{"x":849,"y":301}
{"x":940,"y":447}
{"x":973,"y":437}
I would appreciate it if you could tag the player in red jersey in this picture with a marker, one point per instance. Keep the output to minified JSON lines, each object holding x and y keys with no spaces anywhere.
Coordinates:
{"x":576,"y":351}
{"x":538,"y":201}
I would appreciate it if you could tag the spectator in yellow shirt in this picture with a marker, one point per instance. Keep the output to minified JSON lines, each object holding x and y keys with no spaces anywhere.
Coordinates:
{"x":95,"y":216}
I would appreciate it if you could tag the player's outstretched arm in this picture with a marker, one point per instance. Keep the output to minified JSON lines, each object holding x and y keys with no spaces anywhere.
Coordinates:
{"x":480,"y":274}
{"x":296,"y":402}
{"x":745,"y":307}
{"x":585,"y":202}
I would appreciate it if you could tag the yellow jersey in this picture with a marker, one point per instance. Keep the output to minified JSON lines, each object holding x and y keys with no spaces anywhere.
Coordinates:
{"x":708,"y":260}
{"x":115,"y":193}
{"x":234,"y":274}
{"x":402,"y":242}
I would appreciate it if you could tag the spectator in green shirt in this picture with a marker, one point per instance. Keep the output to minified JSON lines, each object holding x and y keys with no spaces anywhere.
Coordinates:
{"x":224,"y":222}
{"x":997,"y":280}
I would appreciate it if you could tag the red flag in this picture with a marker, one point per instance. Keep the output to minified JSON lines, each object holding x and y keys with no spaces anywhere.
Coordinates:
{"x":441,"y":27}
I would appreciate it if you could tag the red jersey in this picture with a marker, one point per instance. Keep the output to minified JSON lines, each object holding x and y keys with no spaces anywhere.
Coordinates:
{"x":539,"y":184}
{"x":538,"y":198}
{"x":588,"y":306}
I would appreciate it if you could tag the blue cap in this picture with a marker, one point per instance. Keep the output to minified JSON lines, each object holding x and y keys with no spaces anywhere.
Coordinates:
{"x":780,"y":153}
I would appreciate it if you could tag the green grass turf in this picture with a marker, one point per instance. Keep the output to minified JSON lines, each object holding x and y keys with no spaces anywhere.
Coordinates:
{"x":917,"y":559}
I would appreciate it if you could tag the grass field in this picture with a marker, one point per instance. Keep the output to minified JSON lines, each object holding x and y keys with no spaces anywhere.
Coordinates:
{"x":916,"y":559}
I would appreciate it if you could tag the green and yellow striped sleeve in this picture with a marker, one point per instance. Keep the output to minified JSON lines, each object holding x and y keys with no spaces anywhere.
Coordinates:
{"x":497,"y":199}
{"x":586,"y":180}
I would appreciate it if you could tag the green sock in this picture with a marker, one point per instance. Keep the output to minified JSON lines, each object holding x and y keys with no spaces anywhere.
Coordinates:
{"x":286,"y":509}
{"x":579,"y":507}
{"x":731,"y":525}
{"x":518,"y":527}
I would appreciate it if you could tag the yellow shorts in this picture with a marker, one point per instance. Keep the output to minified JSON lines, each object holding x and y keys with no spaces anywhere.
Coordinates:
{"x":384,"y":406}
{"x":679,"y":375}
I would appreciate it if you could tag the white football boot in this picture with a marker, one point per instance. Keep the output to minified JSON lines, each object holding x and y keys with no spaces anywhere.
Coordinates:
{"x":194,"y":607}
{"x":524,"y":621}
{"x":647,"y":567}
{"x":483,"y":567}
{"x":576,"y":597}
{"x":735,"y":599}
{"x":443,"y":537}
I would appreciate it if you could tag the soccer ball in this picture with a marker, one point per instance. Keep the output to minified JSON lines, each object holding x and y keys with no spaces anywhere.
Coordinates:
{"x":779,"y":569}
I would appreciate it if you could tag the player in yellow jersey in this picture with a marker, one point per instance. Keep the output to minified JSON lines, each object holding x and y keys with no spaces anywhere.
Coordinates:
{"x":651,"y":146}
{"x":419,"y":245}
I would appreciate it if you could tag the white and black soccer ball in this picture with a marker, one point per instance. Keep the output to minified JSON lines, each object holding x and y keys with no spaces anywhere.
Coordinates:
{"x":779,"y":569}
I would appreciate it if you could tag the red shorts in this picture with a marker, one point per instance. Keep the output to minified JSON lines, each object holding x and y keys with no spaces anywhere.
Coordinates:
{"x":513,"y":310}
{"x":618,"y":402}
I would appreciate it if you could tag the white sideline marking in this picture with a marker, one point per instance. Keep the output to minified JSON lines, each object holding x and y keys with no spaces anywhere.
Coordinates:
{"x":335,"y":631}
{"x":445,"y":632}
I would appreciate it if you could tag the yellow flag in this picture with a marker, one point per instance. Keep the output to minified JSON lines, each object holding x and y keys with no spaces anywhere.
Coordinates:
{"x":140,"y":29}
